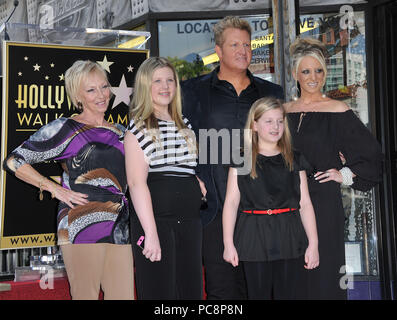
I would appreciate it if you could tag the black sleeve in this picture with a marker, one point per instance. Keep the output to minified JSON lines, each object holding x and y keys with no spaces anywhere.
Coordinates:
{"x":300,"y":163}
{"x":362,"y":151}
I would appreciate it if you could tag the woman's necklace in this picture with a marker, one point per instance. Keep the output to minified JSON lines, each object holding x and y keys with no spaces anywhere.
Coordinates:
{"x":300,"y":120}
{"x":303,"y":113}
{"x":90,"y":122}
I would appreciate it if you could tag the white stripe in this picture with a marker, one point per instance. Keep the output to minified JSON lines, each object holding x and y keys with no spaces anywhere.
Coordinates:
{"x":171,"y":159}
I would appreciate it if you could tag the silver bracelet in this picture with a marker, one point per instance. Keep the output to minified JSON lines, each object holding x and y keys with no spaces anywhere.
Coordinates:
{"x":347,"y":176}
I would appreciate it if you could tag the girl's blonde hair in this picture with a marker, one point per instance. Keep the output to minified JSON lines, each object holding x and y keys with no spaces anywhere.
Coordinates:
{"x":303,"y":47}
{"x":141,"y":106}
{"x":259,"y":107}
{"x":77,"y":73}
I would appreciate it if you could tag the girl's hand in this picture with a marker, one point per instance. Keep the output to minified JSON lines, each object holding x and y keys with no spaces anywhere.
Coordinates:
{"x":152,"y":250}
{"x":312,"y":259}
{"x":230,"y":255}
{"x":202,"y":187}
{"x":329,"y":175}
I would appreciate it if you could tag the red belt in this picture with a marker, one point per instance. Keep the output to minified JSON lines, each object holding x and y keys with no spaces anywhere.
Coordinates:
{"x":269,"y":211}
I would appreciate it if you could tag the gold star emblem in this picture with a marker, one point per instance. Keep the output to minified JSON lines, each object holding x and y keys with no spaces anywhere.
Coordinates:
{"x":61,"y":77}
{"x":105,"y":64}
{"x":36,"y":67}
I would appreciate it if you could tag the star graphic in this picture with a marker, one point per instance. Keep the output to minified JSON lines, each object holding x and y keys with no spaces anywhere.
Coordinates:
{"x":52,"y":65}
{"x":36,"y":67}
{"x":25,"y":58}
{"x":130,"y":68}
{"x":19,"y":74}
{"x":47,"y":77}
{"x":122,"y":93}
{"x":105,"y":64}
{"x":61,"y":77}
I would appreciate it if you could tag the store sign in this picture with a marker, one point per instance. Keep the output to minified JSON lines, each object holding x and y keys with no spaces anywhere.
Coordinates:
{"x":205,"y":5}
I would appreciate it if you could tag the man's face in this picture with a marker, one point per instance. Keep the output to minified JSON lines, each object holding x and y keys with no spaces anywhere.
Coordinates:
{"x":235,"y":52}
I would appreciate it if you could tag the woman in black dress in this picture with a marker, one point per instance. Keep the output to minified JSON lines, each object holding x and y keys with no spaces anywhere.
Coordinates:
{"x":322,"y":128}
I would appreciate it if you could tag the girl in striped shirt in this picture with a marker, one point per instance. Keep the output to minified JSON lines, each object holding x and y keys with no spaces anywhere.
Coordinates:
{"x":161,"y":157}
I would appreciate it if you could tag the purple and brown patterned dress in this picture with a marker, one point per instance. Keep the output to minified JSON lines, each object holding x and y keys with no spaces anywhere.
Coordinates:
{"x":92,"y":158}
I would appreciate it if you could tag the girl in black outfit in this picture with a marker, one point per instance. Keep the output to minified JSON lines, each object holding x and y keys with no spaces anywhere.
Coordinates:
{"x":268,"y":217}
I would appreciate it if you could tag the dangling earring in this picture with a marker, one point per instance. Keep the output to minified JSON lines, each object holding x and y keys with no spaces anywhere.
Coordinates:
{"x":79,"y":106}
{"x":295,"y":97}
{"x":323,"y":95}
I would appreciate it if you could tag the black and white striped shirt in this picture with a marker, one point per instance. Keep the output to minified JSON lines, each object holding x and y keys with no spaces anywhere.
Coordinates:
{"x":169,"y":152}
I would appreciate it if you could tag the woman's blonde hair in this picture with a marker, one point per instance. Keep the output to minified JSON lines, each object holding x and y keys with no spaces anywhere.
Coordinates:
{"x":141,"y":106}
{"x":303,"y":47}
{"x":77,"y":73}
{"x":258,"y":108}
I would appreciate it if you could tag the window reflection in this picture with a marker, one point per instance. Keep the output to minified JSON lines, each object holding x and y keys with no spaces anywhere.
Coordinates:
{"x":192,"y":46}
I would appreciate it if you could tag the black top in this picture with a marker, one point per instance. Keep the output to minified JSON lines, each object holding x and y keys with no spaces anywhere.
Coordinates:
{"x":210,"y":103}
{"x":322,"y":135}
{"x":276,"y":186}
{"x":261,"y":237}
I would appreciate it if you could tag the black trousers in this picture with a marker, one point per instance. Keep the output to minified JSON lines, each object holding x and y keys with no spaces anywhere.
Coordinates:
{"x":278,"y":280}
{"x":222,"y":280}
{"x":176,"y":205}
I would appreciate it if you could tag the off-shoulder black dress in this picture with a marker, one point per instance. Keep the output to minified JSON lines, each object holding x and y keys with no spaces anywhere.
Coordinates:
{"x":320,"y":136}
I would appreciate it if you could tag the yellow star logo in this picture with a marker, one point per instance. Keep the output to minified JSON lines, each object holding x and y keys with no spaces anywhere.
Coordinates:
{"x":105,"y":64}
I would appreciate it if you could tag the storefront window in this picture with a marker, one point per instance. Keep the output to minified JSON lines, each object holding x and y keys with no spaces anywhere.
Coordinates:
{"x":347,"y":81}
{"x":190,"y":45}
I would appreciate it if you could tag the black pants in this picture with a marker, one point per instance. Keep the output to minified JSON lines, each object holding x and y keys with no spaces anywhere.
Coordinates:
{"x":278,"y":280}
{"x":222,"y":280}
{"x":176,"y":206}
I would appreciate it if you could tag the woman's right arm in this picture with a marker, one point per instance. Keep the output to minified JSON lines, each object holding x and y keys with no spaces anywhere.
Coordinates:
{"x":29,"y":175}
{"x":37,"y":149}
{"x":229,"y":217}
{"x":137,"y":172}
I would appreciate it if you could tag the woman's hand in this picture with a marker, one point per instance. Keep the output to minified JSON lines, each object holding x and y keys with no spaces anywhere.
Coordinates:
{"x":230,"y":255}
{"x":152,"y":250}
{"x":312,"y":259}
{"x":329,"y":175}
{"x":70,"y":197}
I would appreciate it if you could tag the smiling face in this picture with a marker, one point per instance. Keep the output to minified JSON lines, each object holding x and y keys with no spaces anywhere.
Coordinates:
{"x":163,"y":87}
{"x":94,"y":93}
{"x":235,"y":51}
{"x":270,"y":127}
{"x":310,"y":75}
